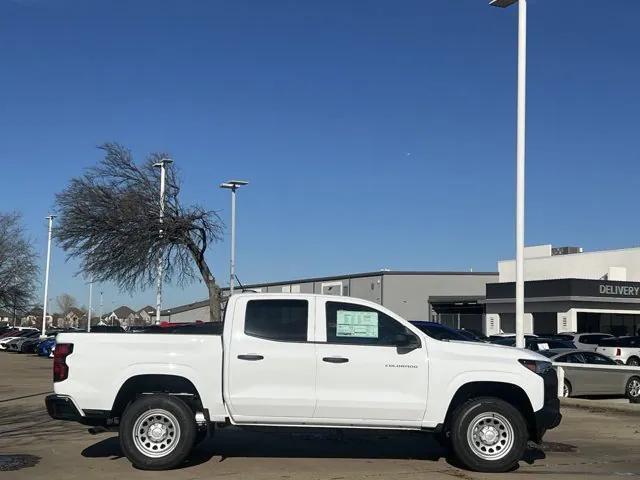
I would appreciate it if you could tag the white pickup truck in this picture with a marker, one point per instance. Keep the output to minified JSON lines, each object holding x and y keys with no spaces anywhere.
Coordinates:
{"x":302,"y":360}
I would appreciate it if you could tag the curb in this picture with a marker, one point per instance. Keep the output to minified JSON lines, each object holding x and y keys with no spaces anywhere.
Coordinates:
{"x":600,"y":406}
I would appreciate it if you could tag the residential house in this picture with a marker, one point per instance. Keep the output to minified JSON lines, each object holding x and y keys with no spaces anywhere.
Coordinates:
{"x":145,"y":316}
{"x":122,"y":316}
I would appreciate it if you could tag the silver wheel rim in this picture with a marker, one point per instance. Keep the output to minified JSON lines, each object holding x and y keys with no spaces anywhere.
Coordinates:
{"x":565,"y":390}
{"x":490,"y":436}
{"x":634,"y":388}
{"x":156,"y":433}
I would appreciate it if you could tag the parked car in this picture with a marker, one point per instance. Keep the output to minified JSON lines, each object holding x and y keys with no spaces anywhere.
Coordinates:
{"x":587,"y":341}
{"x":536,"y":344}
{"x":9,"y":332}
{"x":16,"y":344}
{"x":500,"y":336}
{"x":624,"y":350}
{"x":30,"y":345}
{"x":45,"y":347}
{"x":15,"y":335}
{"x":590,"y":373}
{"x":442,"y":332}
{"x":107,"y":329}
{"x":476,"y":334}
{"x":304,"y":360}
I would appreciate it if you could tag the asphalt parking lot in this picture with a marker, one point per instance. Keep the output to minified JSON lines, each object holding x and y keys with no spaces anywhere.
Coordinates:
{"x":588,"y":444}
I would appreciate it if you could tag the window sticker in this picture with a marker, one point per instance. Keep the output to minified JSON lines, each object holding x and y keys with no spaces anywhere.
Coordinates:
{"x":543,"y":346}
{"x":356,"y":324}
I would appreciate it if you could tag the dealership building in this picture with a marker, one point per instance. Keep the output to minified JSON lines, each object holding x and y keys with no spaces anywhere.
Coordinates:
{"x":453,"y":298}
{"x":568,"y":290}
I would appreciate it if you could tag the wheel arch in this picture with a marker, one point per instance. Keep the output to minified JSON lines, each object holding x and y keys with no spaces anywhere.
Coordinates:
{"x":508,"y":392}
{"x":138,"y":385}
{"x":633,"y":357}
{"x":568,"y":382}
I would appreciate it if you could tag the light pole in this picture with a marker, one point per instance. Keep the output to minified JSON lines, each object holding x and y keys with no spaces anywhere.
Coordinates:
{"x":90,"y":299}
{"x":46,"y":276}
{"x":233,"y":185}
{"x":101,"y":292}
{"x":520,"y":150}
{"x":163,"y":173}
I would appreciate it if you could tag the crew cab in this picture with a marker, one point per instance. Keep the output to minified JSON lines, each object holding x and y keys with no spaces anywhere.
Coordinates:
{"x":302,"y":360}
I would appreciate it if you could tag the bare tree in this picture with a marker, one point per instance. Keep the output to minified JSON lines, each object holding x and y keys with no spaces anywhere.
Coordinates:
{"x":109,"y":219}
{"x":18,"y":268}
{"x":66,"y":302}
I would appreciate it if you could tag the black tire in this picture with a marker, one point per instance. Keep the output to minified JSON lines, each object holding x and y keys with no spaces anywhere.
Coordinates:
{"x":166,"y":406}
{"x":632,"y":389}
{"x":633,"y":361}
{"x":566,"y":393}
{"x":505,"y":426}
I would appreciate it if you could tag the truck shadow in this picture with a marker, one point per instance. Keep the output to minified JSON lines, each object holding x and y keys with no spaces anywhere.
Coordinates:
{"x":234,"y":442}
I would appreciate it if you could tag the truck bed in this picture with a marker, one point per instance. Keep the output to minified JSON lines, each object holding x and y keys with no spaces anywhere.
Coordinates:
{"x":115,"y":358}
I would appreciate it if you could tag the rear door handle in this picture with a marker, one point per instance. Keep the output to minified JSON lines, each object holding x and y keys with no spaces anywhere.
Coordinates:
{"x":250,"y":357}
{"x":335,"y":359}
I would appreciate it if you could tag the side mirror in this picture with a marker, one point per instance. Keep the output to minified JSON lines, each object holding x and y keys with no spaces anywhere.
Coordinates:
{"x":406,"y":342}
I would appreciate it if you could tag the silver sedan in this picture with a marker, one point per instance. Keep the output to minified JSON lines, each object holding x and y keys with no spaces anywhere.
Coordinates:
{"x":590,"y":373}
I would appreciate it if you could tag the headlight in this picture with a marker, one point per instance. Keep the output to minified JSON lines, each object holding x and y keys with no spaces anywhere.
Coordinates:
{"x":536,"y":366}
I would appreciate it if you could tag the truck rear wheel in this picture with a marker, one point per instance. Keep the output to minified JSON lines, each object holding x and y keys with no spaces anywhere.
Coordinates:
{"x":488,"y":434}
{"x":157,"y":432}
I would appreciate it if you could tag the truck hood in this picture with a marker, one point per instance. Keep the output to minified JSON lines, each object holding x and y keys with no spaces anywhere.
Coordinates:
{"x":484,"y":350}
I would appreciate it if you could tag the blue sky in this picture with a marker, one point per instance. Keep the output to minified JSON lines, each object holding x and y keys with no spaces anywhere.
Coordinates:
{"x":377,"y":134}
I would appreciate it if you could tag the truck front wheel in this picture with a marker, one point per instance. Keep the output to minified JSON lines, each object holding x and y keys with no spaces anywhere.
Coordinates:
{"x":488,"y":434}
{"x":157,"y":432}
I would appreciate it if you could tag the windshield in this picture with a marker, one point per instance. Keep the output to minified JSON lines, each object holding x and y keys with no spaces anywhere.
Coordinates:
{"x":441,"y":332}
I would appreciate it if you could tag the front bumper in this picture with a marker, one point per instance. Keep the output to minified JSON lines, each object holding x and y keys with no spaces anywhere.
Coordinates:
{"x":61,"y":407}
{"x":549,"y":415}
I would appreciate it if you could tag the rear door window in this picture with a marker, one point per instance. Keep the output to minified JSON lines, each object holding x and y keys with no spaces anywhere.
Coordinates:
{"x":597,"y":359}
{"x":575,"y":358}
{"x":282,"y":320}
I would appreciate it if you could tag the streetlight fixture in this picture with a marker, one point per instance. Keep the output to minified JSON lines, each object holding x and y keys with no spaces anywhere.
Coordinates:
{"x":46,"y":276}
{"x":233,"y":185}
{"x":520,"y":151}
{"x":163,"y":172}
{"x":90,"y":305}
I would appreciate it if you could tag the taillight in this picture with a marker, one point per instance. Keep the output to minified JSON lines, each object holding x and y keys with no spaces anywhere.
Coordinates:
{"x":618,"y":352}
{"x":60,"y":367}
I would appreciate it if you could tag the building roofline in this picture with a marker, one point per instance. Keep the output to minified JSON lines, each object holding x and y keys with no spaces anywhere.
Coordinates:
{"x":379,"y":273}
{"x":582,"y":254}
{"x":361,"y":275}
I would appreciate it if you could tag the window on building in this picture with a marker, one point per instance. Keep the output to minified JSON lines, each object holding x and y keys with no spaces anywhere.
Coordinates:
{"x":354,"y":324}
{"x":283,"y":320}
{"x":617,"y":324}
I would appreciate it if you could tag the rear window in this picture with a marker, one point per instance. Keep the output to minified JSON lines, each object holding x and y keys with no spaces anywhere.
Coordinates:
{"x":560,"y":344}
{"x":592,"y":339}
{"x":282,"y":320}
{"x":620,"y":342}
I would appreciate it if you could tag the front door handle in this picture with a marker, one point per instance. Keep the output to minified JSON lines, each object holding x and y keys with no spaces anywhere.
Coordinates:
{"x":250,"y":357}
{"x":335,"y":359}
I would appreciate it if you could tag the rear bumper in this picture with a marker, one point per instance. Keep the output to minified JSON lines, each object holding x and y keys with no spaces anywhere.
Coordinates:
{"x":61,"y":407}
